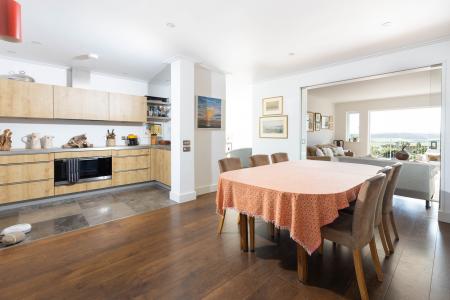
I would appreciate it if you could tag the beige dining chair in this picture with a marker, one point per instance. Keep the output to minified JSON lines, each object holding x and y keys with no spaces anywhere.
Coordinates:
{"x":378,"y":214}
{"x":357,"y":230}
{"x":225,"y":165}
{"x":279,"y":157}
{"x":259,"y":160}
{"x":388,"y":208}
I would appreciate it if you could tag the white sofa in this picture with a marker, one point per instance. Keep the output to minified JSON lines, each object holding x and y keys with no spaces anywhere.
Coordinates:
{"x":417,"y":179}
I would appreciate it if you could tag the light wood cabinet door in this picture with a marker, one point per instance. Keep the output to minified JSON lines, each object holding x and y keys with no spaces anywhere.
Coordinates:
{"x":160,"y":166}
{"x":25,"y":99}
{"x":16,"y":173}
{"x":127,"y":108}
{"x":129,"y":177}
{"x":80,"y":104}
{"x":26,"y":191}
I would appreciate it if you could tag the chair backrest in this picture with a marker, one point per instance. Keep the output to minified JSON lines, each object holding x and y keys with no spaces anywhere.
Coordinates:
{"x":365,"y":209}
{"x":390,"y":188}
{"x":279,"y":157}
{"x":259,"y":160}
{"x":229,"y":164}
{"x":243,"y":154}
{"x":388,"y":172}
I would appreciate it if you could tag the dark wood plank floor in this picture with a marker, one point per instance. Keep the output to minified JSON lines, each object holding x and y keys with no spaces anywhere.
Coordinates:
{"x":173,"y":253}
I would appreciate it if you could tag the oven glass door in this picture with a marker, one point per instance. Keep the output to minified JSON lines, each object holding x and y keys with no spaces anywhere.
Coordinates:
{"x":95,"y":167}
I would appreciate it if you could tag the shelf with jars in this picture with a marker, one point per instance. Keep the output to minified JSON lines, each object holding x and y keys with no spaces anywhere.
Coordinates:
{"x":158,"y":109}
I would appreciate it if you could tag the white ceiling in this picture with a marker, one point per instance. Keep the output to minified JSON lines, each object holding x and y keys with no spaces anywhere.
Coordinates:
{"x":402,"y":84}
{"x":250,"y":37}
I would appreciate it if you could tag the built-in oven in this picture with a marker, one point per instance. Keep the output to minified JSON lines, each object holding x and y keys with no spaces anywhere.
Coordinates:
{"x":74,"y":170}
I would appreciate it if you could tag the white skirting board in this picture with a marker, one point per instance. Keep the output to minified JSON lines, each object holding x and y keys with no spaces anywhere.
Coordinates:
{"x":185,"y":197}
{"x":206,"y":189}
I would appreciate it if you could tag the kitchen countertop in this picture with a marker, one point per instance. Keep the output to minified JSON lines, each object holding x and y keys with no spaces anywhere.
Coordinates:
{"x":54,"y":150}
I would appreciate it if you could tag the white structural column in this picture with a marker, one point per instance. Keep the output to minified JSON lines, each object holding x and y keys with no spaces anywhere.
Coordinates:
{"x":182,"y":129}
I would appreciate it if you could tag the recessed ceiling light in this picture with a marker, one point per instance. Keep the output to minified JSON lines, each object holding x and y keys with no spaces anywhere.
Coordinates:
{"x":291,"y":53}
{"x":386,"y":24}
{"x":87,"y":56}
{"x":170,"y":25}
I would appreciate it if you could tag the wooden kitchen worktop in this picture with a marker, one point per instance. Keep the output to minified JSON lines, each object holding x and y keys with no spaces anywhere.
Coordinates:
{"x":56,"y":150}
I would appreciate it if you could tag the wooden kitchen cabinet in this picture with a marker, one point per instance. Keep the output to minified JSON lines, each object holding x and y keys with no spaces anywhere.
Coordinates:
{"x":127,"y":108}
{"x":25,"y":99}
{"x":130,"y":166}
{"x":160,"y":165}
{"x":80,"y":104}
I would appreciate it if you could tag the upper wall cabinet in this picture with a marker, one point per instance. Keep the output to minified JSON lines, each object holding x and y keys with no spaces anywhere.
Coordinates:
{"x":80,"y":104}
{"x":127,"y":108}
{"x":25,"y":100}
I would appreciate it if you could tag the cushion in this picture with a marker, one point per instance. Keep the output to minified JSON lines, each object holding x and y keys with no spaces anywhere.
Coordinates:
{"x":319,"y":152}
{"x":328,"y":152}
{"x":339,"y":151}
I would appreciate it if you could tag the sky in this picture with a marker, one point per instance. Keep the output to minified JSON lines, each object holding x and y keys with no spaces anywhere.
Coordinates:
{"x":416,"y":120}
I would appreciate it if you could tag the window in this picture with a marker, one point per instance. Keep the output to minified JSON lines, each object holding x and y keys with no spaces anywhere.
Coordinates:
{"x":416,"y":130}
{"x":353,"y":127}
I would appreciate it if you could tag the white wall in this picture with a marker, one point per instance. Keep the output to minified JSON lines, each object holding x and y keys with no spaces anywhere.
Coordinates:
{"x":324,"y":106}
{"x":403,"y":59}
{"x":64,"y":130}
{"x":361,"y":148}
{"x":239,"y":112}
{"x":209,"y":143}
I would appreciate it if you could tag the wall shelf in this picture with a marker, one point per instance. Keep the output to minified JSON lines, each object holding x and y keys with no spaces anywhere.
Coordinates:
{"x":160,"y":119}
{"x":156,"y":102}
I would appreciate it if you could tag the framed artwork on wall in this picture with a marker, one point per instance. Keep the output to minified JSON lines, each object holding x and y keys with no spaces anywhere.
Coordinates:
{"x":325,"y":122}
{"x":273,"y":127}
{"x":209,"y":112}
{"x":310,"y":121}
{"x":317,"y":121}
{"x":272,"y":106}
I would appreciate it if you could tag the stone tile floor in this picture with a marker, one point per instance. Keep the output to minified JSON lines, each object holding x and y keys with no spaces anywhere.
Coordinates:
{"x":71,"y":214}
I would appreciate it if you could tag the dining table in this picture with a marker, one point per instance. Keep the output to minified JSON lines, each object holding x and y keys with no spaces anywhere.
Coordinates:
{"x":300,"y":196}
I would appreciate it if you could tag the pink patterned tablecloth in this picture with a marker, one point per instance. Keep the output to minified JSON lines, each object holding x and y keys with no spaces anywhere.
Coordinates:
{"x":300,"y":196}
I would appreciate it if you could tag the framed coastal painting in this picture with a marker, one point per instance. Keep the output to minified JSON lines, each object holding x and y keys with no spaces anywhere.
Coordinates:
{"x":272,"y":106}
{"x":273,"y":127}
{"x":209,"y":112}
{"x":310,"y":121}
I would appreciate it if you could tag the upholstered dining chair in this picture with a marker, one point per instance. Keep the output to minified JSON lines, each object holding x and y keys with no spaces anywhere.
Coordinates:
{"x":378,"y":214}
{"x":225,"y":165}
{"x":279,"y":157}
{"x":388,"y":209}
{"x":259,"y":160}
{"x":356,"y":231}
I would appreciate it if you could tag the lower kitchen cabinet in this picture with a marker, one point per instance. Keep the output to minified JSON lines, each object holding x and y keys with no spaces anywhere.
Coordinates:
{"x":26,"y":191}
{"x":160,"y":165}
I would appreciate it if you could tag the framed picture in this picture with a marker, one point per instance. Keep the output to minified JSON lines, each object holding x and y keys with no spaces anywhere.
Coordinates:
{"x":318,"y":117}
{"x":209,"y":112}
{"x":325,"y":122}
{"x":433,"y":145}
{"x":273,"y":127}
{"x":317,"y":126}
{"x":273,"y":106}
{"x":310,"y":121}
{"x":331,"y":122}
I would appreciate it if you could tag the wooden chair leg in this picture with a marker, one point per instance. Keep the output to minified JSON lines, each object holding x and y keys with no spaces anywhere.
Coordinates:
{"x":387,"y":235}
{"x":302,"y":264}
{"x":244,"y":233}
{"x":394,"y":227}
{"x":251,"y":225}
{"x":360,"y":274}
{"x":220,"y":225}
{"x":376,"y":260}
{"x":278,"y":231}
{"x":321,"y":248}
{"x":383,"y":240}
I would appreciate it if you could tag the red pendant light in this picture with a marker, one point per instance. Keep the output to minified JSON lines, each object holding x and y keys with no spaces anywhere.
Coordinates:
{"x":10,"y":21}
